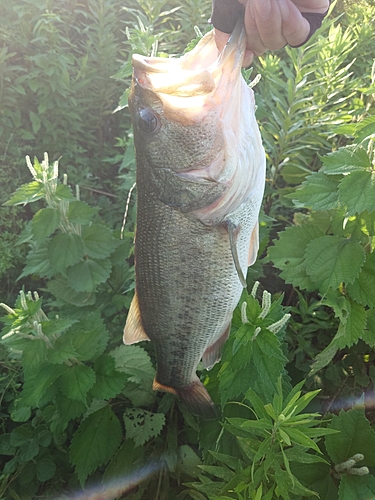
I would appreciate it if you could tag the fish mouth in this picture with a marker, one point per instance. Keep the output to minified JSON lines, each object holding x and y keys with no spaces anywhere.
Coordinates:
{"x":191,"y":85}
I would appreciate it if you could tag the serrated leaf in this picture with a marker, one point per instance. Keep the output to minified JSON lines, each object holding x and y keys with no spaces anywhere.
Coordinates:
{"x":268,"y":361}
{"x":62,"y":350}
{"x":363,"y":288}
{"x":318,"y":478}
{"x":33,"y":356}
{"x":350,"y":332}
{"x":27,"y":194}
{"x":357,"y":192}
{"x":38,"y":263}
{"x":357,"y":488}
{"x":87,"y":274}
{"x":44,"y":223}
{"x":355,"y":436}
{"x":89,"y":337}
{"x":64,"y":193}
{"x":109,"y":382}
{"x":345,"y":160}
{"x":331,"y":260}
{"x":37,"y":384}
{"x":98,"y":240}
{"x":233,"y":383}
{"x":142,"y":425}
{"x":134,"y":361}
{"x":80,"y":212}
{"x":318,"y":192}
{"x":60,"y":288}
{"x":68,"y":409}
{"x":65,"y":250}
{"x":290,"y":258}
{"x":76,"y":382}
{"x":95,"y":442}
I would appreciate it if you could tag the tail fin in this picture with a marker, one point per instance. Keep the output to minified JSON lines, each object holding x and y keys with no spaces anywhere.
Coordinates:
{"x":195,"y":397}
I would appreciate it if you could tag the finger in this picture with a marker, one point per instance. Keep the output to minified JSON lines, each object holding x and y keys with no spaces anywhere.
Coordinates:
{"x":254,"y":42}
{"x":295,"y":28}
{"x":269,"y":23}
{"x":320,"y":6}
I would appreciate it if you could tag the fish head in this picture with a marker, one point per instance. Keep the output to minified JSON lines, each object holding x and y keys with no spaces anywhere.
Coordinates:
{"x":188,"y":115}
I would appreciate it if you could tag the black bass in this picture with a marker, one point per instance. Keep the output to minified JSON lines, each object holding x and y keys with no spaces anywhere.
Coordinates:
{"x":200,"y":183}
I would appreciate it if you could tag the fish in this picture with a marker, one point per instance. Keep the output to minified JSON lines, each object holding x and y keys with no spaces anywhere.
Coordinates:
{"x":200,"y":176}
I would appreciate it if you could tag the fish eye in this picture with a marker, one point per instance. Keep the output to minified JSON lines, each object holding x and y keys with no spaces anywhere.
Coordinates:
{"x":147,"y":120}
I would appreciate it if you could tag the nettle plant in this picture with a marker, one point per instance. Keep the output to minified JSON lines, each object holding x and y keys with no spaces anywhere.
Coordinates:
{"x":336,"y":239}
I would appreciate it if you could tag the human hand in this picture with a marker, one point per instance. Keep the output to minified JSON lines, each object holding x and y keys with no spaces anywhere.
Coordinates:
{"x":272,"y":24}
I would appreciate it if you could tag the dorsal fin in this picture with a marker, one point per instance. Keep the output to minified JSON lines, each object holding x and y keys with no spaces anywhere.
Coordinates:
{"x":134,"y":331}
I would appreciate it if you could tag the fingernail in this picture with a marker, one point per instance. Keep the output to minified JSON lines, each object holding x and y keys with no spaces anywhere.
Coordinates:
{"x":284,"y":9}
{"x":263,"y":8}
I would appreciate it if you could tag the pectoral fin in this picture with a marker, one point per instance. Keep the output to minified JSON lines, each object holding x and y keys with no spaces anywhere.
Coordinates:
{"x":134,"y":331}
{"x":254,"y":245}
{"x":233,"y":231}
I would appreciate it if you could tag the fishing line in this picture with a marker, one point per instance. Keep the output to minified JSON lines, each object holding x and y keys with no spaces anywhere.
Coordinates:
{"x":126,"y":211}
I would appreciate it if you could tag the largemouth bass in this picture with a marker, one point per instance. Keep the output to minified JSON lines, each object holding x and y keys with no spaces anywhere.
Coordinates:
{"x":200,"y":182}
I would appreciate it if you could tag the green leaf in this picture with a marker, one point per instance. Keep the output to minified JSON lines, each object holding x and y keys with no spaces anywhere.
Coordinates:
{"x":98,"y":240}
{"x":6,"y":448}
{"x":35,"y":121}
{"x":109,"y":382}
{"x":290,"y":258}
{"x":62,"y":350}
{"x":60,"y":288}
{"x":24,"y":437}
{"x":350,"y":332}
{"x":38,"y":263}
{"x":318,"y":192}
{"x":317,"y":478}
{"x":299,"y":437}
{"x":268,"y":362}
{"x":363,"y":288}
{"x":331,"y":260}
{"x":21,"y":414}
{"x":37,"y":384}
{"x":68,"y":409}
{"x":44,"y":223}
{"x":65,"y":250}
{"x":45,"y":469}
{"x":89,"y":337}
{"x":80,"y":212}
{"x":134,"y":361}
{"x":142,"y":425}
{"x":356,"y":436}
{"x":87,"y":274}
{"x":357,"y":192}
{"x":64,"y":193}
{"x":27,"y":194}
{"x":357,"y":488}
{"x":34,"y":355}
{"x":95,"y":442}
{"x":346,"y":160}
{"x":76,"y":382}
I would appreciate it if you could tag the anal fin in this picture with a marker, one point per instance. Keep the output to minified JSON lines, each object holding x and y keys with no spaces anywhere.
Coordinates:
{"x":134,"y":331}
{"x":212,"y":354}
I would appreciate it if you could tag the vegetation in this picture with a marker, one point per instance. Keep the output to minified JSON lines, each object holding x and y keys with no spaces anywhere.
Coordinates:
{"x":296,"y":383}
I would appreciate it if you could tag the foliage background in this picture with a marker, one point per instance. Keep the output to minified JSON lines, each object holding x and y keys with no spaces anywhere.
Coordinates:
{"x":77,"y":408}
